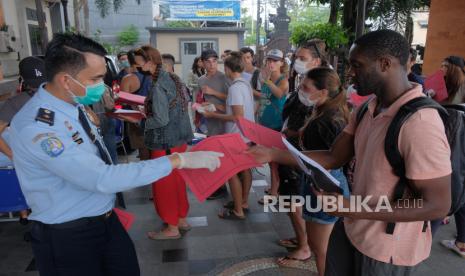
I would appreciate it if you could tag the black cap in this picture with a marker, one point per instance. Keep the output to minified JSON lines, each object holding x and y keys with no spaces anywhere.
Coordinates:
{"x":208,"y":53}
{"x":458,"y":61}
{"x":32,"y":71}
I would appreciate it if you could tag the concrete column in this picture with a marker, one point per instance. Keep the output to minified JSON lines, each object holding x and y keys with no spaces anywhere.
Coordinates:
{"x":446,"y":33}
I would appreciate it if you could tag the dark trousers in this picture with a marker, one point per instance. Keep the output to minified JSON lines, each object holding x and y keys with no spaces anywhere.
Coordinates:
{"x":109,"y":138}
{"x":459,"y":223}
{"x":343,"y":259}
{"x":98,"y":248}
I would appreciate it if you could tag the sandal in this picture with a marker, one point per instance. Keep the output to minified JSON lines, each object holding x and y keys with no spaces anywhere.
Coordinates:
{"x":185,"y":228}
{"x":288,"y":243}
{"x":230,"y":205}
{"x":293,"y":263}
{"x":450,"y":244}
{"x":229,"y":214}
{"x":261,"y":201}
{"x":158,"y":236}
{"x":268,"y":191}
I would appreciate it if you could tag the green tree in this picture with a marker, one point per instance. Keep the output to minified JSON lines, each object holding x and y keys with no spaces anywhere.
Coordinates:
{"x":105,"y":6}
{"x":111,"y":48}
{"x":250,"y":25}
{"x":128,"y":36}
{"x":334,"y":7}
{"x":333,"y":35}
{"x":308,"y":15}
{"x":391,"y":14}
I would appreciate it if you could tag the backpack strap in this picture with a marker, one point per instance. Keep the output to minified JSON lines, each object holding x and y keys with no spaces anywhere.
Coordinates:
{"x":361,"y":112}
{"x":391,"y":145}
{"x":254,"y":80}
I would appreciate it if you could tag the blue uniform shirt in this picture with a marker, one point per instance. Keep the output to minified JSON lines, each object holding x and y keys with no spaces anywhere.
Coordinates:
{"x":60,"y":170}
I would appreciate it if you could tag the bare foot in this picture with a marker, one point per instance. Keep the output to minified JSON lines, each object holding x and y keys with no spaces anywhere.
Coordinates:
{"x":170,"y":231}
{"x":164,"y":234}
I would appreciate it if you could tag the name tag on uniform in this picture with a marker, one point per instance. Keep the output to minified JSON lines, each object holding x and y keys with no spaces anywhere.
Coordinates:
{"x":45,"y":116}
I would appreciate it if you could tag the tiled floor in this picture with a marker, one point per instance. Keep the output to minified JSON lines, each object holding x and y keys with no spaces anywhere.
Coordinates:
{"x":211,"y":245}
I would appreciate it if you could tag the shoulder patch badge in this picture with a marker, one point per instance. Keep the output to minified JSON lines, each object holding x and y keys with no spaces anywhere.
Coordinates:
{"x":52,"y":146}
{"x":45,"y":115}
{"x":43,"y":135}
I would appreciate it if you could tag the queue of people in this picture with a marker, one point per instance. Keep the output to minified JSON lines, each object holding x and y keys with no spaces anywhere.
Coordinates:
{"x":58,"y":153}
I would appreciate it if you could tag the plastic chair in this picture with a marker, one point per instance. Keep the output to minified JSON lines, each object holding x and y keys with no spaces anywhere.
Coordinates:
{"x":119,"y":137}
{"x":11,"y":196}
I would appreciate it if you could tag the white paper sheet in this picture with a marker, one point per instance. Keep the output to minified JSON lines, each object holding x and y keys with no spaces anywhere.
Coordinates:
{"x":313,"y":168}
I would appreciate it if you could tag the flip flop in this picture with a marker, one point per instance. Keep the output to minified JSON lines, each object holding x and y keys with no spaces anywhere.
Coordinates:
{"x":261,"y":201}
{"x":230,"y":205}
{"x":450,"y":244}
{"x":267,"y":191}
{"x":294,"y":260}
{"x":288,"y":243}
{"x":158,"y":236}
{"x":229,"y":214}
{"x":185,"y":228}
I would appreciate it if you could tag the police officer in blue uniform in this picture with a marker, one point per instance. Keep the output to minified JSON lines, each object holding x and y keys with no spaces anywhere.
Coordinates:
{"x":65,"y":174}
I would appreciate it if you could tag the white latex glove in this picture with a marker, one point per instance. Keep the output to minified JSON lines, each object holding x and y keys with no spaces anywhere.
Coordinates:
{"x":206,"y":108}
{"x":200,"y":160}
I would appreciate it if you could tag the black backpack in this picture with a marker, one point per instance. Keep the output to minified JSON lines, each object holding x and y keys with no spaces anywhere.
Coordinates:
{"x":453,"y":117}
{"x":254,"y":80}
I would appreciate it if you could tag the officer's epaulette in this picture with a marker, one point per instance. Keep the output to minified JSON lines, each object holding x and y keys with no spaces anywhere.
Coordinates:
{"x":45,"y":115}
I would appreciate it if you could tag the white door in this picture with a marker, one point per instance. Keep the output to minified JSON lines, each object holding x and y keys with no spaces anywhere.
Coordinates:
{"x":190,"y":49}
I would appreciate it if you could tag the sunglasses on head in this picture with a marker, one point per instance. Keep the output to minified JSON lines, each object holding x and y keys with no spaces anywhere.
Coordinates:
{"x":314,"y":46}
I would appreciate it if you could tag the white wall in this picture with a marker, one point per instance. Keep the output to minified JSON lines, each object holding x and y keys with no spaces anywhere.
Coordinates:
{"x":15,"y":16}
{"x":419,"y":33}
{"x":9,"y":60}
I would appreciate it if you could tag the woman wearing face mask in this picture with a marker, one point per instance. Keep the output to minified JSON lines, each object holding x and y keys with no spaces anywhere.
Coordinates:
{"x":137,"y":83}
{"x":308,"y":56}
{"x":167,"y":130}
{"x":294,"y":116}
{"x":321,"y":88}
{"x":124,"y":65}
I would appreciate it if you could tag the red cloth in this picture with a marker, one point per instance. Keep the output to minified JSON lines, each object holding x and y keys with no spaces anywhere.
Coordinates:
{"x":126,"y":218}
{"x":202,"y":182}
{"x":169,"y":193}
{"x":128,"y":98}
{"x":437,"y":83}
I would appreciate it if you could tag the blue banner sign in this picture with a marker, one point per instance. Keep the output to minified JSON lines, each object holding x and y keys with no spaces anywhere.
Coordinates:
{"x":201,"y":10}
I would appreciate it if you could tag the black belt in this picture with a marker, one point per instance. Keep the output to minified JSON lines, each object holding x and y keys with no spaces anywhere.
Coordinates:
{"x":77,"y":222}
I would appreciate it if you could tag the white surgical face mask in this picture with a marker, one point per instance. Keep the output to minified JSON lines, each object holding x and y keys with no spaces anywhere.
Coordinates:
{"x":303,"y":98}
{"x":301,"y":66}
